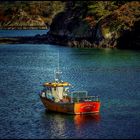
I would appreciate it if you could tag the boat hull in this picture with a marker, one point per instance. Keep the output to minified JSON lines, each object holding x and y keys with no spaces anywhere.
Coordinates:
{"x":85,"y":107}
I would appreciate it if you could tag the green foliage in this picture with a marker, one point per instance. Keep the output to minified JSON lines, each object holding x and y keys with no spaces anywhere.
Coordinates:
{"x":101,"y":9}
{"x":45,"y":9}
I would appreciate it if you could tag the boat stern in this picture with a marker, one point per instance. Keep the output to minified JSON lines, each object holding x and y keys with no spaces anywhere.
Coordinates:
{"x":87,"y":107}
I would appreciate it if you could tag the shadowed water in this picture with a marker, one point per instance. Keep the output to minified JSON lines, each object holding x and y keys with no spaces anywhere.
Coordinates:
{"x":111,"y":74}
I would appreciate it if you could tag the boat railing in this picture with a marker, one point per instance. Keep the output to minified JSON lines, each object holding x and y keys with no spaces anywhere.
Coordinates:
{"x":88,"y":98}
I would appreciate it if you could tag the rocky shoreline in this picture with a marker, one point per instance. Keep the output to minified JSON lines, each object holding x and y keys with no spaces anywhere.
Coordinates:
{"x":118,"y":29}
{"x":21,"y":40}
{"x":126,"y":41}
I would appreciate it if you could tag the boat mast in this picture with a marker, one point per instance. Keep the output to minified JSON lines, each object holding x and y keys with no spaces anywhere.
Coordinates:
{"x":57,"y":72}
{"x":58,"y":61}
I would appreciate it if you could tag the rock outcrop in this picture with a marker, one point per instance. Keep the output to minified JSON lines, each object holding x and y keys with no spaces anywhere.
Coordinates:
{"x":75,"y":28}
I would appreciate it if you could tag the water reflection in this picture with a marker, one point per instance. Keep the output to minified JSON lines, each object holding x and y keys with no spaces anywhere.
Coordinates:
{"x":58,"y":125}
{"x":61,"y":122}
{"x":80,"y":120}
{"x":86,"y":125}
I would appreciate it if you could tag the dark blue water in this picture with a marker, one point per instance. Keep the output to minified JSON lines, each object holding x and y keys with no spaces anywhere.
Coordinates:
{"x":112,"y":74}
{"x":16,"y":33}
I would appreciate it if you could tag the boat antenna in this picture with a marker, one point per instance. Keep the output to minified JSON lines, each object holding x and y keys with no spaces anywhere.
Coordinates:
{"x":57,"y":71}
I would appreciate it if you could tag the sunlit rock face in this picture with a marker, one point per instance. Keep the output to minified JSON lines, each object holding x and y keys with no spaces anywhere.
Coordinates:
{"x":21,"y":20}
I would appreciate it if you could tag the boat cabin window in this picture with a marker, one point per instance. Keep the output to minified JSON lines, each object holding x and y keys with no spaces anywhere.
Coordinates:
{"x":66,"y":91}
{"x":46,"y":92}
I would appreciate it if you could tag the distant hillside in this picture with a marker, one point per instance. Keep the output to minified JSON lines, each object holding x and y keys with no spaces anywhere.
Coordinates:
{"x":103,"y":24}
{"x":28,"y":14}
{"x":92,"y":24}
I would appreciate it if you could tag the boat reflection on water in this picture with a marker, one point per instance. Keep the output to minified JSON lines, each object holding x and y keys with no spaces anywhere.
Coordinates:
{"x":83,"y":119}
{"x":78,"y":120}
{"x":61,"y":125}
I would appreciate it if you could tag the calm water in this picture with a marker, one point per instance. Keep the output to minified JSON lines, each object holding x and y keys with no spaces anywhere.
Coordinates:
{"x":112,"y":74}
{"x":13,"y":33}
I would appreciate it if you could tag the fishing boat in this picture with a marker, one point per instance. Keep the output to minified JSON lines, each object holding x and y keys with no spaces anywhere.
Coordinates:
{"x":56,"y":96}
